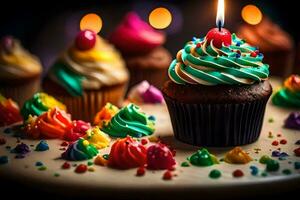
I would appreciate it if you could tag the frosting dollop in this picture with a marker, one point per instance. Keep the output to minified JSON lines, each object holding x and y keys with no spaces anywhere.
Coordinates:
{"x":77,"y":130}
{"x":127,"y":153}
{"x":105,"y":114}
{"x":130,"y":120}
{"x":15,"y":61}
{"x":140,"y":35}
{"x":200,"y":62}
{"x":159,"y":156}
{"x":289,"y":94}
{"x":97,"y":138}
{"x":51,"y":124}
{"x":80,"y":150}
{"x":40,"y":103}
{"x":237,"y":156}
{"x":94,"y":68}
{"x":203,"y":158}
{"x":9,"y":112}
{"x":144,"y":93}
{"x":293,"y":121}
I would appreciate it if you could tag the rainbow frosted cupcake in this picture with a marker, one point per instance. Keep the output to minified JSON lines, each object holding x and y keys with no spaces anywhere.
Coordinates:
{"x":19,"y":71}
{"x":87,"y":76}
{"x":141,"y":47}
{"x":218,"y":91}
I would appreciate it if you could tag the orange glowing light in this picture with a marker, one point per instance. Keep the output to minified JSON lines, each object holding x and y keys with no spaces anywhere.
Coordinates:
{"x":92,"y":22}
{"x":160,"y":18}
{"x":251,"y":14}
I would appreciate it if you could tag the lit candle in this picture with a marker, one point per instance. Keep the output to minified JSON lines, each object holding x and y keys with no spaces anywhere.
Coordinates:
{"x":219,"y":36}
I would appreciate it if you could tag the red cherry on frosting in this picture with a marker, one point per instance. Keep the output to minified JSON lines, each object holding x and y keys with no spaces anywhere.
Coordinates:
{"x":85,"y":40}
{"x":219,"y":37}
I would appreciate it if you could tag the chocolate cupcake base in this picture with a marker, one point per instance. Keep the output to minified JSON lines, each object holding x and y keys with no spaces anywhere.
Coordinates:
{"x":218,"y":124}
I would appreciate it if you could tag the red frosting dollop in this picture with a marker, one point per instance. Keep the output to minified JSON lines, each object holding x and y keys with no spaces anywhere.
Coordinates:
{"x":134,"y":36}
{"x":159,"y":156}
{"x":127,"y":153}
{"x":9,"y":112}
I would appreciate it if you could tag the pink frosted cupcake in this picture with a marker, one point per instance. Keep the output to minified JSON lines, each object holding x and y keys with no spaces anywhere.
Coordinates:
{"x":141,"y":47}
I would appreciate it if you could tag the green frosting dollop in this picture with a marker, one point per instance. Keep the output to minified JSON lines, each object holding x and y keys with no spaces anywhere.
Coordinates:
{"x":130,"y":121}
{"x":80,"y":150}
{"x":203,"y":158}
{"x":286,"y":98}
{"x":202,"y":63}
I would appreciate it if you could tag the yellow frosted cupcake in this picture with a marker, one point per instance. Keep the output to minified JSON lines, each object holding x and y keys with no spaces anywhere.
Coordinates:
{"x":19,"y":71}
{"x":87,"y":76}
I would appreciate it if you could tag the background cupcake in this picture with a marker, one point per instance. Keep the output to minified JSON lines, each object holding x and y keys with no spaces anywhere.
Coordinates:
{"x":141,"y":47}
{"x":87,"y":75}
{"x":276,"y":44}
{"x":19,"y":71}
{"x":218,"y":91}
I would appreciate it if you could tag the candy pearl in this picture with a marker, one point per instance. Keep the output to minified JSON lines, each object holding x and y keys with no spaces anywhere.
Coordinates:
{"x":253,"y":54}
{"x":85,"y":40}
{"x":219,"y":37}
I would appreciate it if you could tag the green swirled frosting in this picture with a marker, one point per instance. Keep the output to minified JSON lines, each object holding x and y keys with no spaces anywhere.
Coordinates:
{"x":130,"y":121}
{"x":40,"y":103}
{"x":200,"y":62}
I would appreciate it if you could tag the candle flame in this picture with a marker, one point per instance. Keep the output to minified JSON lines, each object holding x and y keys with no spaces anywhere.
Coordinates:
{"x":220,"y":14}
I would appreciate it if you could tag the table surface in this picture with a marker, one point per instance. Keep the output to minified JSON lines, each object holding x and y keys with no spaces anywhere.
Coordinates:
{"x":194,"y":178}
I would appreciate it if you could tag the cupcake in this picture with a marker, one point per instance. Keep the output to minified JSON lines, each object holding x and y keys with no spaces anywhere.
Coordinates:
{"x":87,"y":76}
{"x":218,"y":91}
{"x":130,"y":120}
{"x":289,"y":94}
{"x":9,"y":112}
{"x":19,"y":71}
{"x":276,"y":44}
{"x":141,"y":47}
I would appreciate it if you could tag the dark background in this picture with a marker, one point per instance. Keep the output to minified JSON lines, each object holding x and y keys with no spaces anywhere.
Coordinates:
{"x":47,"y":27}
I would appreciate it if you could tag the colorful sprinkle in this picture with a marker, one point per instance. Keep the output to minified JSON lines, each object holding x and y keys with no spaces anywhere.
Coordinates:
{"x":42,"y":168}
{"x":91,"y":169}
{"x":271,"y":120}
{"x":297,"y":142}
{"x":56,"y":175}
{"x":185,"y":164}
{"x":144,"y":141}
{"x":237,"y":173}
{"x":254,"y":170}
{"x":81,"y":168}
{"x":21,"y":149}
{"x":270,"y":135}
{"x":38,"y":164}
{"x":153,"y":139}
{"x":2,"y":141}
{"x":297,"y":165}
{"x":272,"y":165}
{"x":286,"y":171}
{"x":278,"y":135}
{"x":275,"y":143}
{"x":283,"y":141}
{"x":64,"y":144}
{"x":140,"y":171}
{"x":167,"y":175}
{"x":42,"y":146}
{"x":198,"y":45}
{"x":297,"y":152}
{"x":264,"y":174}
{"x":66,"y":165}
{"x":89,"y":163}
{"x":3,"y":160}
{"x":264,"y":159}
{"x":214,"y":174}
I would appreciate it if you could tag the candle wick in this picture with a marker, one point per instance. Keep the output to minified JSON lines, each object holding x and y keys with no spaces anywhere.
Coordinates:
{"x":220,"y":25}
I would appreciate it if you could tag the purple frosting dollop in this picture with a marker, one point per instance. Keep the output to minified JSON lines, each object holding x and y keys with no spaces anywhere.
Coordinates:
{"x":293,"y":121}
{"x":21,"y":149}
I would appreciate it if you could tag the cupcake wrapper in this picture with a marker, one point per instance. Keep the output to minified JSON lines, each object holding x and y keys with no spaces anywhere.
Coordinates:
{"x":155,"y":77}
{"x":21,"y":92}
{"x":217,"y":125}
{"x":86,"y":106}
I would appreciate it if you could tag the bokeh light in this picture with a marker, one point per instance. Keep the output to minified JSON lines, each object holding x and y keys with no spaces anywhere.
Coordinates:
{"x":160,"y":18}
{"x":251,"y":14}
{"x":92,"y":22}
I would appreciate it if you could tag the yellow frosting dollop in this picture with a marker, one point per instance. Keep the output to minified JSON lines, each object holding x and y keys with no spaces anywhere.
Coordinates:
{"x":237,"y":156}
{"x":105,"y":114}
{"x":97,"y":138}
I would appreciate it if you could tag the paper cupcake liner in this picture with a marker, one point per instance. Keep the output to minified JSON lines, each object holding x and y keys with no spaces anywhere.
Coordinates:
{"x":217,"y":125}
{"x":22,"y":91}
{"x":86,"y":106}
{"x":155,"y":77}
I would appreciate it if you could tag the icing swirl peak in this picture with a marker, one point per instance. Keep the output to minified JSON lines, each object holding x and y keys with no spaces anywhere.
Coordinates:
{"x":200,"y":62}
